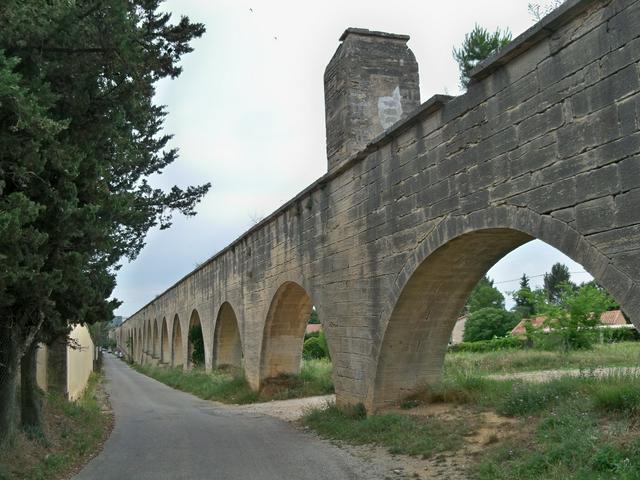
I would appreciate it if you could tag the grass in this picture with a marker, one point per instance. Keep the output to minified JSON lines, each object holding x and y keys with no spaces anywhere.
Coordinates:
{"x":73,"y":431}
{"x":623,"y":354}
{"x":400,"y":433}
{"x":580,"y":427}
{"x":229,"y":386}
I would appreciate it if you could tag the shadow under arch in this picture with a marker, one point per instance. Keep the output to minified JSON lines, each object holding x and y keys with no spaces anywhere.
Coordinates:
{"x":155,"y":344}
{"x":227,"y":343}
{"x":433,"y":286}
{"x":148,"y":346}
{"x":177,"y":357}
{"x":140,"y":351}
{"x":194,"y":321}
{"x":164,"y":341}
{"x":284,"y":329}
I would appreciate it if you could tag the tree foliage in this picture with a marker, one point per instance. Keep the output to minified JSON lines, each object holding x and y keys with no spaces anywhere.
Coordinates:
{"x":484,"y":295}
{"x":555,"y":282}
{"x":540,"y":10}
{"x":313,"y":317}
{"x":478,"y":45}
{"x":488,"y":323}
{"x":316,"y":347}
{"x":196,"y":341}
{"x":79,"y":137}
{"x":570,"y":320}
{"x":525,"y":306}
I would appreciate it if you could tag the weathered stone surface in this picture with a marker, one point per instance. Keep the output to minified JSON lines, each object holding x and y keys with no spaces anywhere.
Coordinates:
{"x":387,"y":246}
{"x":370,"y":84}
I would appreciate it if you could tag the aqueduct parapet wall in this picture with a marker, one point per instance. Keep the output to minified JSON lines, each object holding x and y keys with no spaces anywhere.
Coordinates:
{"x":544,"y":144}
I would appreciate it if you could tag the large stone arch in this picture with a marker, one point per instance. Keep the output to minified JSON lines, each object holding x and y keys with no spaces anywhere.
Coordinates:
{"x":194,"y":321}
{"x":150,"y":337}
{"x":140,"y":351}
{"x":437,"y":278}
{"x":284,"y":329}
{"x":148,"y":346}
{"x":177,"y":355}
{"x":164,"y":342}
{"x":227,"y":342}
{"x":155,"y":343}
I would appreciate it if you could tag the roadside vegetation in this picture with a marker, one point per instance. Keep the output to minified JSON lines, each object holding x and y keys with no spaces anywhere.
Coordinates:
{"x":573,"y":427}
{"x":567,"y":428}
{"x":402,"y":434}
{"x":227,"y":385}
{"x":623,"y":354}
{"x":75,"y":199}
{"x":73,"y":432}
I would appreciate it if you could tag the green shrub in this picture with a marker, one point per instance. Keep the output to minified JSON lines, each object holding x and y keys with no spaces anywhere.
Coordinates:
{"x":312,"y":349}
{"x":622,"y":354}
{"x":505,"y":343}
{"x":488,"y":323}
{"x":316,"y":376}
{"x":400,"y":433}
{"x":621,"y":398}
{"x":316,"y":347}
{"x":196,"y":341}
{"x":615,"y":335}
{"x":309,"y":335}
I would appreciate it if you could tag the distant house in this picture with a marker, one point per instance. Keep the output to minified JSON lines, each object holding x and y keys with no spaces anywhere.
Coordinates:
{"x":612,"y":318}
{"x":313,"y":328}
{"x":458,"y":331}
{"x":536,"y":322}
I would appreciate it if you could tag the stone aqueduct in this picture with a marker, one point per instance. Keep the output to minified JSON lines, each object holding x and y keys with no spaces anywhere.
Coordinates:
{"x":420,"y":200}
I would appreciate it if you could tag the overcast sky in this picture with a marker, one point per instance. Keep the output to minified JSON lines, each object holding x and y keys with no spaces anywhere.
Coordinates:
{"x":248,"y":116}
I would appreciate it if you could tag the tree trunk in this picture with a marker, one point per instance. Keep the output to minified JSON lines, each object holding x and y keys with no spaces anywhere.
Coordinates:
{"x":30,"y":394}
{"x":8,"y":373}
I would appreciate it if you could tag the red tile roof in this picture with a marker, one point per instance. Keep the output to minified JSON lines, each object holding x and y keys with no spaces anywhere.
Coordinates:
{"x":536,"y":322}
{"x":613,"y":317}
{"x":313,"y":327}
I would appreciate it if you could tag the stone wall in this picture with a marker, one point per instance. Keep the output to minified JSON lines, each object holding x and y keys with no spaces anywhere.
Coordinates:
{"x":65,"y":367}
{"x":545,"y":144}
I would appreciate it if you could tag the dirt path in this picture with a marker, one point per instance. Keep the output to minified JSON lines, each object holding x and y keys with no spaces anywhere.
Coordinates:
{"x":546,"y":375}
{"x":447,"y":465}
{"x":289,"y":410}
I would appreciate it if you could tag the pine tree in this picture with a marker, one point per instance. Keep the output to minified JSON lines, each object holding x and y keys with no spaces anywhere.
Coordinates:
{"x":555,"y":281}
{"x":484,"y":295}
{"x":525,"y":305}
{"x":478,"y":45}
{"x":79,"y":137}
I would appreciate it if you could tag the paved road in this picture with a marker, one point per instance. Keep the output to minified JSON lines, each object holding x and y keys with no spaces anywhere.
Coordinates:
{"x":161,"y":433}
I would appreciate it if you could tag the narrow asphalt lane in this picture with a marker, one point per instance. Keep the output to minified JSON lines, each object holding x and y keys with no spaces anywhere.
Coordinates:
{"x":162,"y":433}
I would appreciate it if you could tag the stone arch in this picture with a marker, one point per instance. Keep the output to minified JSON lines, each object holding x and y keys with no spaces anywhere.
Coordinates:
{"x":194,"y":321}
{"x":284,"y":331}
{"x":147,"y":337}
{"x":155,"y":344}
{"x":177,"y":357}
{"x":227,"y":343}
{"x":432,"y":287}
{"x":140,"y":351}
{"x":164,"y":341}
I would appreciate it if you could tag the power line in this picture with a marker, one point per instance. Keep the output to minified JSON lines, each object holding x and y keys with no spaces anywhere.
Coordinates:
{"x":534,"y":276}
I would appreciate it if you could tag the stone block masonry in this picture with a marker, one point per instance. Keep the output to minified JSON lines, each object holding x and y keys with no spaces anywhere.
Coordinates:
{"x":421,"y":200}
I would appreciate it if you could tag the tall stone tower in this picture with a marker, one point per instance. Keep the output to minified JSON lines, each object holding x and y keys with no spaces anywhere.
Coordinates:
{"x":370,"y":83}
